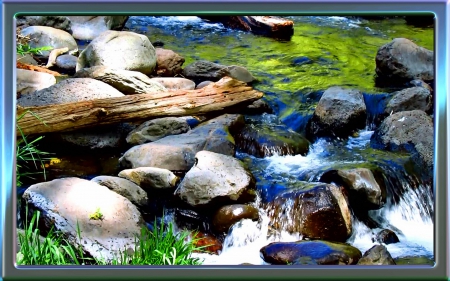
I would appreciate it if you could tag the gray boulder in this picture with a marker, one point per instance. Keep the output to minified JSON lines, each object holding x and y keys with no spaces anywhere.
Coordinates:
{"x":119,"y":49}
{"x":108,"y":222}
{"x":30,"y":81}
{"x":45,"y":36}
{"x":403,"y":60}
{"x":58,"y":22}
{"x":216,"y":177}
{"x":156,"y":129}
{"x":89,"y":27}
{"x":410,"y":99}
{"x":67,"y":63}
{"x":377,"y":255}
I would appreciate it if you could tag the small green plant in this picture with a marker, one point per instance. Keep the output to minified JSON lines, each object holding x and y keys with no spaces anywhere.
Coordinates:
{"x":23,"y":47}
{"x":97,"y":215}
{"x":26,"y":152}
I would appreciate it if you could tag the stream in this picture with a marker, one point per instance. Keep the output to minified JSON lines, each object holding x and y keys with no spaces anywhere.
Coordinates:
{"x":324,"y":52}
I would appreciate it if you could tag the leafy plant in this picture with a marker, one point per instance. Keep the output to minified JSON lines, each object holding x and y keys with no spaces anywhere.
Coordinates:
{"x":26,"y":152}
{"x":23,"y":47}
{"x":97,"y":215}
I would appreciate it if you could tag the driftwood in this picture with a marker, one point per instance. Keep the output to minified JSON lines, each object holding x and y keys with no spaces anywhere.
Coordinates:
{"x":26,"y":66}
{"x":215,"y":97}
{"x":54,"y":55}
{"x":262,"y":25}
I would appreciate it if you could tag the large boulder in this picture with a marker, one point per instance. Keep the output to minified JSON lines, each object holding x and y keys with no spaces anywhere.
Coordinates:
{"x":124,"y":187}
{"x":45,"y":36}
{"x":402,"y":60}
{"x":168,"y":63}
{"x":119,"y":49}
{"x":320,"y":252}
{"x":70,"y":90}
{"x":107,"y":222}
{"x":30,"y":81}
{"x":58,"y":22}
{"x":89,"y":27}
{"x":339,"y":113}
{"x":316,"y":211}
{"x":126,"y":81}
{"x":377,"y":255}
{"x":177,"y":152}
{"x":216,"y":179}
{"x":156,"y":129}
{"x":365,"y":191}
{"x":410,"y":131}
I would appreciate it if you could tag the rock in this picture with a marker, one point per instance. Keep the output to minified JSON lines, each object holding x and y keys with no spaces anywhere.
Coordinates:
{"x":69,"y":203}
{"x":364,"y":190}
{"x":305,"y":261}
{"x":410,"y":131}
{"x":67,"y":63}
{"x":202,"y":70}
{"x":262,"y":140}
{"x":175,"y":83}
{"x":203,"y":84}
{"x":228,"y":215}
{"x":156,"y":129}
{"x":45,"y":36}
{"x":377,"y":255}
{"x":27,"y":59}
{"x":135,"y":52}
{"x":168,"y":63}
{"x":410,"y":99}
{"x":320,"y":252}
{"x":126,"y":188}
{"x":387,"y":236}
{"x":216,"y":177}
{"x":258,"y":107}
{"x":177,"y":153}
{"x":402,"y":60}
{"x":339,"y":113}
{"x":126,"y":81}
{"x":70,"y":90}
{"x":316,"y":211}
{"x":209,"y":243}
{"x":150,"y":177}
{"x":58,"y":22}
{"x":420,"y":83}
{"x":29,"y":81}
{"x":89,"y":27}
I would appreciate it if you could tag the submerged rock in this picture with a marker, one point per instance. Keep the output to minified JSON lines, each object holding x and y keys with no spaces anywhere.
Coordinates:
{"x":387,"y":236}
{"x":313,"y":252}
{"x":377,"y":255}
{"x":216,"y":178}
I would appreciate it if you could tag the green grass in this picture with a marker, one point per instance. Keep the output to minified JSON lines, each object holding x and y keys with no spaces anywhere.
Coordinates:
{"x":162,"y":246}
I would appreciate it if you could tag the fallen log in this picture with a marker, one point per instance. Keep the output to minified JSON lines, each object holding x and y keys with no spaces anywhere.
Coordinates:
{"x":215,"y":97}
{"x":261,"y":25}
{"x":26,"y":66}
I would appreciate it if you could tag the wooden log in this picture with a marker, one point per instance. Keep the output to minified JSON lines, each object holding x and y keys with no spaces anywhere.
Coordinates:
{"x":261,"y":25}
{"x":215,"y":97}
{"x":26,"y":66}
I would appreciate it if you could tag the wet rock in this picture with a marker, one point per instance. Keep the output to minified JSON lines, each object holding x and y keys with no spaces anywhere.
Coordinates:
{"x":70,"y":90}
{"x":410,"y":131}
{"x":45,"y":36}
{"x":124,"y":187}
{"x":156,"y":129}
{"x":210,"y":244}
{"x":30,"y":81}
{"x":192,"y":219}
{"x":58,"y":22}
{"x":320,"y":252}
{"x":305,"y":261}
{"x":69,"y":203}
{"x":67,"y":63}
{"x":263,"y":140}
{"x":126,"y":81}
{"x":228,"y":215}
{"x":420,"y":83}
{"x":387,"y":236}
{"x":150,"y":177}
{"x":135,"y":51}
{"x":408,"y":99}
{"x":203,"y":70}
{"x":365,"y":192}
{"x":403,"y":60}
{"x":168,"y":63}
{"x":175,"y":83}
{"x":316,"y":211}
{"x":177,"y":153}
{"x":203,"y":84}
{"x":377,"y":255}
{"x":339,"y":113}
{"x":216,"y":177}
{"x":90,"y":27}
{"x":258,"y":107}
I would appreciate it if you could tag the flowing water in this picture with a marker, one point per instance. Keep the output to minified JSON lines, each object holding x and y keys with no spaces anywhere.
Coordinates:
{"x":324,"y":52}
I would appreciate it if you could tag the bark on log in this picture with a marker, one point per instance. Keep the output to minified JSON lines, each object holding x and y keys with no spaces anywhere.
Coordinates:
{"x":215,"y":97}
{"x":262,"y":25}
